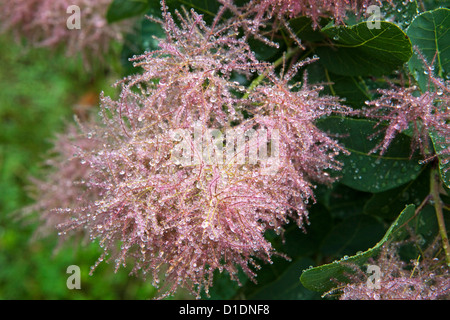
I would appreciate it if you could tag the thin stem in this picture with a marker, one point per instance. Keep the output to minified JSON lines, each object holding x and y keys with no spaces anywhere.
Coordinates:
{"x":329,"y":82}
{"x":261,"y":77}
{"x":434,"y":189}
{"x":424,"y":202}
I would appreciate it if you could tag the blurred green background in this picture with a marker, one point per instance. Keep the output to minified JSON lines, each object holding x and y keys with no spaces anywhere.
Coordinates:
{"x":38,"y":92}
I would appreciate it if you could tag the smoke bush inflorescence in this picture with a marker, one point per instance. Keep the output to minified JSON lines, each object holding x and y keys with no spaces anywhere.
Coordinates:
{"x":178,"y":221}
{"x":43,"y":23}
{"x":261,"y":12}
{"x":402,"y":108}
{"x":424,"y":278}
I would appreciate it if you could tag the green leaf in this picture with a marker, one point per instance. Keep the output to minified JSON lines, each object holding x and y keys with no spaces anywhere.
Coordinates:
{"x":442,"y":148}
{"x":302,"y":28}
{"x":124,"y":9}
{"x":430,"y":32}
{"x":387,"y":204}
{"x":326,"y":277}
{"x":356,"y":233}
{"x":371,"y":172}
{"x":426,"y":225}
{"x":433,"y":4}
{"x":353,"y":89}
{"x":400,"y":15}
{"x":360,"y":51}
{"x":341,"y":201}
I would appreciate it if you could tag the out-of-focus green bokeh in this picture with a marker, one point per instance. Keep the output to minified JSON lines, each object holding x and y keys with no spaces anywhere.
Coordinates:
{"x":38,"y":92}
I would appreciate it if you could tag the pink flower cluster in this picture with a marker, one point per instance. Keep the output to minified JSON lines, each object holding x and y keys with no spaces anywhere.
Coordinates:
{"x":263,"y":11}
{"x":180,"y":222}
{"x":425,"y":278}
{"x":63,"y":185}
{"x":424,"y":113}
{"x":43,"y":23}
